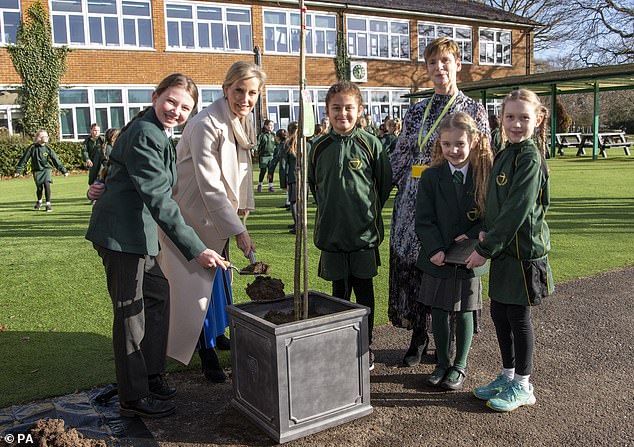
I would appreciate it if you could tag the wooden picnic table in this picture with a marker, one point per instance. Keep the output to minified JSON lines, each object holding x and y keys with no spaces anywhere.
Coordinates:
{"x":564,"y":140}
{"x":606,"y":140}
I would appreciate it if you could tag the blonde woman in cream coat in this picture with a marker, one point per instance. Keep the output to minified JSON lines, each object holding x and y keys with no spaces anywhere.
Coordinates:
{"x":214,"y":184}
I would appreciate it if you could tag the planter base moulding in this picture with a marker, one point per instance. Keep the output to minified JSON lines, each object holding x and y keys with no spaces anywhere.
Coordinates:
{"x":300,"y":377}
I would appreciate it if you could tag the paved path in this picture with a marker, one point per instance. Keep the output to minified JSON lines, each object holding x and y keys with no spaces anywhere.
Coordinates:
{"x":583,"y":378}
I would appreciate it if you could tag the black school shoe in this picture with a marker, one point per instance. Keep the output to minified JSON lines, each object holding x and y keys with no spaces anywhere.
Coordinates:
{"x":437,"y":376}
{"x":455,"y":384}
{"x":160,"y":389}
{"x":211,"y":365}
{"x":148,"y":407}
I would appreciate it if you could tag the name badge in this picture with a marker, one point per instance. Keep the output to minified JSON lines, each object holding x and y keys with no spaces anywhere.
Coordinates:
{"x":417,"y":170}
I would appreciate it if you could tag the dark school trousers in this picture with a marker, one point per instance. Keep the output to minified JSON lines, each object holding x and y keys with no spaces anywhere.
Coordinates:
{"x":363,"y":292}
{"x":140,"y":303}
{"x":514,"y":330}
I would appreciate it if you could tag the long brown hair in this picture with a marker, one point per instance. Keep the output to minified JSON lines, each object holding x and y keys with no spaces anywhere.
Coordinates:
{"x":173,"y":80}
{"x":480,"y":154}
{"x":291,"y":143}
{"x":531,"y":98}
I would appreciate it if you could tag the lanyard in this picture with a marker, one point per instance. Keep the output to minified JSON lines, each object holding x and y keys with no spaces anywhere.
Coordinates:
{"x":421,"y":144}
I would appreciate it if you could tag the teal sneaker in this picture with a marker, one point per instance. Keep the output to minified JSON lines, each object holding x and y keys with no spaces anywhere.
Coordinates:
{"x":513,"y":397}
{"x":491,"y":389}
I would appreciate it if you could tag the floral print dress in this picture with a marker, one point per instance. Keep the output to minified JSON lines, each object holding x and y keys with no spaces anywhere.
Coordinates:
{"x":405,"y":279}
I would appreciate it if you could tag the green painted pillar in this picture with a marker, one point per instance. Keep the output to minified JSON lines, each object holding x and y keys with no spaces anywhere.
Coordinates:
{"x":595,"y":123}
{"x":553,"y":121}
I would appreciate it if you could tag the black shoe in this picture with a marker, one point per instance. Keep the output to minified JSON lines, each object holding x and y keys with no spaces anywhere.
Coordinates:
{"x":223,"y":343}
{"x":211,"y":365}
{"x":148,"y":407}
{"x":292,"y":230}
{"x":456,"y":384}
{"x":437,"y":376}
{"x":417,"y":348}
{"x":371,"y":359}
{"x":160,"y":389}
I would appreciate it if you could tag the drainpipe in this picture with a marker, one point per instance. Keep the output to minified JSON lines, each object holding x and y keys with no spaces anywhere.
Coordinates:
{"x":528,"y":53}
{"x":259,"y":115}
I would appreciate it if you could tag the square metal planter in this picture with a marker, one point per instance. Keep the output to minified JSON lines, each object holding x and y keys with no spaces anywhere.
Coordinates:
{"x":298,"y":378}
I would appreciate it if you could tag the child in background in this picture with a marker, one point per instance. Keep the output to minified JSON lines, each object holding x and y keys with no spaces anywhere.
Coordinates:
{"x":100,"y":161}
{"x":281,"y":136}
{"x":288,"y":180}
{"x":517,"y":241}
{"x":391,"y":134}
{"x":42,"y":157}
{"x":266,"y":152}
{"x":91,"y":145}
{"x":350,"y":177}
{"x":449,"y":207}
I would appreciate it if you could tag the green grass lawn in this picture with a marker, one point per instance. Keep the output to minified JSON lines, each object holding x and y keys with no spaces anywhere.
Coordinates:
{"x":55,"y":313}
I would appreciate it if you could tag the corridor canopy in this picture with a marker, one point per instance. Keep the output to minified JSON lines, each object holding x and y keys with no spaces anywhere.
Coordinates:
{"x":582,"y":80}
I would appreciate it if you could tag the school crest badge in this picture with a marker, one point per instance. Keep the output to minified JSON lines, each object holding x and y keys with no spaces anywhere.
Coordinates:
{"x":473,"y":214}
{"x":355,"y":164}
{"x":501,"y":179}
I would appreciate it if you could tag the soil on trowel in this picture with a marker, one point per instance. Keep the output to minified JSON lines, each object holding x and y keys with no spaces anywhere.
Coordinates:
{"x":265,"y":288}
{"x":52,"y":433}
{"x":259,"y":268}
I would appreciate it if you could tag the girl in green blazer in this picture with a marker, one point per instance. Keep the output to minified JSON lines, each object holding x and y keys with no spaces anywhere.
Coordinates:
{"x":517,"y":241}
{"x":449,"y":210}
{"x":266,"y":154}
{"x":124,"y":230}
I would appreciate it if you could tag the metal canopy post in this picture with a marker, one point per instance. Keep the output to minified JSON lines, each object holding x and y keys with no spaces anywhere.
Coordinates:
{"x":595,"y":123}
{"x":553,"y":121}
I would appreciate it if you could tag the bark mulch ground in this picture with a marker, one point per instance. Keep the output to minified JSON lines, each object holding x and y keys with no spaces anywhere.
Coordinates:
{"x":583,"y":384}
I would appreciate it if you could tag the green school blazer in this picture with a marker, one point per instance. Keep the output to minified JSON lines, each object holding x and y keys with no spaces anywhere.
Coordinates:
{"x":138,"y":197}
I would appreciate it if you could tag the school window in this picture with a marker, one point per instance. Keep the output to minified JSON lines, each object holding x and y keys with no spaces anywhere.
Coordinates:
{"x":370,"y":37}
{"x":10,"y":112}
{"x":495,"y":46}
{"x":282,"y":105}
{"x":460,"y":34}
{"x":204,"y":27}
{"x":209,"y":95}
{"x":494,"y":107}
{"x":282,"y":32}
{"x":383,"y":103}
{"x":9,"y":20}
{"x":107,"y":106}
{"x":102,"y":23}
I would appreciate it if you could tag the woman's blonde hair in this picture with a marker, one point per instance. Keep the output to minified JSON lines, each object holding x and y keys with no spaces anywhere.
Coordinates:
{"x":242,"y":70}
{"x":540,"y":110}
{"x":480,"y":154}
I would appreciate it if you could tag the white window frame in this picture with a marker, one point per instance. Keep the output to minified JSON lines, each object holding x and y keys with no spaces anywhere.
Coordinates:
{"x":123,"y":21}
{"x":227,"y":27}
{"x":129,"y":107}
{"x":463,"y":43}
{"x":354,"y":39}
{"x":4,"y":37}
{"x":495,"y":47}
{"x":290,"y":27}
{"x":395,"y":106}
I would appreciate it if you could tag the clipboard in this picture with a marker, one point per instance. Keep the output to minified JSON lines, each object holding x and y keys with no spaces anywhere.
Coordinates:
{"x":460,"y":251}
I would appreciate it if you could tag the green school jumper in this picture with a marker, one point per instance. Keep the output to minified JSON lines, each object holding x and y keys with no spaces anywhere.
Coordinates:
{"x":90,"y":147}
{"x":518,"y":238}
{"x":138,"y":196}
{"x":351,"y":178}
{"x":42,"y":157}
{"x":266,"y":149}
{"x":99,"y":161}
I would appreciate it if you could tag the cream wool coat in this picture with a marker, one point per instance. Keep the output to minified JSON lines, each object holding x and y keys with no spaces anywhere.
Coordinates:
{"x":213,"y":176}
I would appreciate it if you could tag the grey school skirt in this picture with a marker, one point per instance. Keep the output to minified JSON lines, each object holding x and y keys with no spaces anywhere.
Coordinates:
{"x":451,"y":294}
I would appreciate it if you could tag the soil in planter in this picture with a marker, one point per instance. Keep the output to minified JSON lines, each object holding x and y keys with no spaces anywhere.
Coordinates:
{"x":259,"y":268}
{"x":265,"y":288}
{"x":277,"y":317}
{"x":52,"y":433}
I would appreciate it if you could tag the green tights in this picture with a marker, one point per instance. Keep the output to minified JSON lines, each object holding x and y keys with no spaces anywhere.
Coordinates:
{"x":464,"y":335}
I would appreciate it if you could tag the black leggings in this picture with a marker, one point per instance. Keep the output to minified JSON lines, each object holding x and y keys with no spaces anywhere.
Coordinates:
{"x":47,"y":191}
{"x":514,"y":330}
{"x":363,"y":292}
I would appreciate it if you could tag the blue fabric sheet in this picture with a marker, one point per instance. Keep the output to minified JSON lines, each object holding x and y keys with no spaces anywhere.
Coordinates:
{"x":217,"y":321}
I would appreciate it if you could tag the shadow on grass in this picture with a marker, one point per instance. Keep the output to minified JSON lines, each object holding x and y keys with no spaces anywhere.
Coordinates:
{"x":585,"y":213}
{"x":42,"y":364}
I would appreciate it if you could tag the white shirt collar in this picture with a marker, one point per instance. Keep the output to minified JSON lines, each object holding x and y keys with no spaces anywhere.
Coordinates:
{"x":464,"y":171}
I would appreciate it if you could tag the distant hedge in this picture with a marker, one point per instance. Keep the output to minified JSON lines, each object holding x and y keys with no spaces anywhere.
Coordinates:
{"x":12,"y":147}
